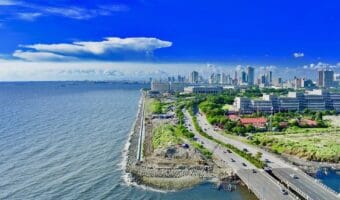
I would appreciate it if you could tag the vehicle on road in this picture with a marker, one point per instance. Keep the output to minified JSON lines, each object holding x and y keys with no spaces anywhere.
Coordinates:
{"x":294,"y":176}
{"x":254,"y":171}
{"x":229,"y":151}
{"x":245,"y":149}
{"x":284,"y":191}
{"x":244,"y":164}
{"x":268,"y":169}
{"x":232,"y":160}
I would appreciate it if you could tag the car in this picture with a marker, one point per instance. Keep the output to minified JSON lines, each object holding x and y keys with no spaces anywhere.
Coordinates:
{"x":232,"y":160}
{"x":294,"y":176}
{"x":224,"y":152}
{"x":205,"y":129}
{"x":254,"y":171}
{"x":228,"y":151}
{"x":245,"y":149}
{"x":268,"y":169}
{"x":266,"y":160}
{"x":244,"y":164}
{"x":284,"y":191}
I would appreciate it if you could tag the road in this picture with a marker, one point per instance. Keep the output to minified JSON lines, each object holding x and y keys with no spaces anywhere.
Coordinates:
{"x":305,"y":185}
{"x":263,"y":186}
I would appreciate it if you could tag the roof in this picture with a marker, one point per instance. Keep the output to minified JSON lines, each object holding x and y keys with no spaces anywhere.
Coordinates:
{"x":308,"y":122}
{"x":233,"y":117}
{"x":259,"y":120}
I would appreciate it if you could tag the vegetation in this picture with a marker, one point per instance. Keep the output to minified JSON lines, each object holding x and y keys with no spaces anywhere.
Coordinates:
{"x":165,"y":135}
{"x":257,"y":162}
{"x":208,"y":154}
{"x":316,"y":146}
{"x":154,"y":106}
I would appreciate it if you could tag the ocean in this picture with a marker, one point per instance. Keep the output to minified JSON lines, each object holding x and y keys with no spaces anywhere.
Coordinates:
{"x":66,"y":140}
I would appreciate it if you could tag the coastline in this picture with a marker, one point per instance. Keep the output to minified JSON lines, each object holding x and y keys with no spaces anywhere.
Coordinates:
{"x":163,"y":178}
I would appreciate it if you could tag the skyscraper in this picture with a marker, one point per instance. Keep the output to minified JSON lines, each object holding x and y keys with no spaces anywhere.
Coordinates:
{"x":250,"y":75}
{"x":193,"y":78}
{"x":243,"y":77}
{"x":326,"y":78}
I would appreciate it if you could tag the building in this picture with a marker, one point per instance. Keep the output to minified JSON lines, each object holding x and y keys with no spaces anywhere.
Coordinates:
{"x":259,"y":122}
{"x":193,"y":78}
{"x":160,"y":86}
{"x":244,"y":77}
{"x":326,"y":78}
{"x":203,"y":89}
{"x":177,"y":87}
{"x":250,"y":75}
{"x":316,"y":100}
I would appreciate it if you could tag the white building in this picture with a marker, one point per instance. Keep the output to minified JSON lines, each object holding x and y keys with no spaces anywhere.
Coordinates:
{"x":160,"y":86}
{"x":203,"y":89}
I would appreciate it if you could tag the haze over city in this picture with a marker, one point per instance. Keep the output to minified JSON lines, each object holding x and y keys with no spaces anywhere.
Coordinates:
{"x":104,"y":40}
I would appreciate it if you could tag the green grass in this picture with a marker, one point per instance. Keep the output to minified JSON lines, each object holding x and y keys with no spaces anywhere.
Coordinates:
{"x":316,"y":146}
{"x":154,"y":106}
{"x":208,"y":154}
{"x":165,"y":135}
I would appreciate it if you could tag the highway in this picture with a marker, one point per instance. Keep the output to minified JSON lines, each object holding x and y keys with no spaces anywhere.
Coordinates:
{"x":305,"y":185}
{"x":263,"y":186}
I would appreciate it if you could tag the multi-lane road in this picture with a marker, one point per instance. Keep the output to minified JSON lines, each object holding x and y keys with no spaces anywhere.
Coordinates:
{"x":263,"y":186}
{"x":306,"y":186}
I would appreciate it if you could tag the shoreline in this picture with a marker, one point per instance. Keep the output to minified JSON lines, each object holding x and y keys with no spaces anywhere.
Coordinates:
{"x":162,"y":178}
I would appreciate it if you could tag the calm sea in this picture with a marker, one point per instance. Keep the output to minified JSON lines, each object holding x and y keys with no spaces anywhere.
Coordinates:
{"x":65,"y":140}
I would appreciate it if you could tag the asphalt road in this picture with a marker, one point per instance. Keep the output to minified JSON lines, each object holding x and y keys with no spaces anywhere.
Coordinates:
{"x":306,"y":184}
{"x":263,"y":186}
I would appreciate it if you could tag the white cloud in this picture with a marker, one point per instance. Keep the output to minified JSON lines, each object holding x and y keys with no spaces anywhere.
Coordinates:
{"x":111,"y":45}
{"x":28,"y":16}
{"x":298,"y":55}
{"x":41,"y":56}
{"x":69,"y":11}
{"x":8,"y":2}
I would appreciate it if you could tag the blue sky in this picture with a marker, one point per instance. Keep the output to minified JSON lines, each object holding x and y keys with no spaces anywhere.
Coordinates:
{"x":262,"y":33}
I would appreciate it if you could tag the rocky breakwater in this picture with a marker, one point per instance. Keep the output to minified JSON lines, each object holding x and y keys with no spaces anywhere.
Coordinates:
{"x":171,"y":167}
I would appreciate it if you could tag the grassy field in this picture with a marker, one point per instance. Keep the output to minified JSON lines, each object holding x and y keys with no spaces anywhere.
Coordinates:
{"x":165,"y":135}
{"x":317,"y":146}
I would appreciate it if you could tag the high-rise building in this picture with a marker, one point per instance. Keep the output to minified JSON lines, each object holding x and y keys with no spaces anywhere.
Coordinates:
{"x":243,"y":77}
{"x":193,"y":78}
{"x":250,"y":75}
{"x":269,"y":78}
{"x":326,"y":78}
{"x":320,"y":78}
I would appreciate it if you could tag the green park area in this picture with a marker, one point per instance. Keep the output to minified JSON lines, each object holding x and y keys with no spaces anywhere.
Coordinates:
{"x":318,"y":145}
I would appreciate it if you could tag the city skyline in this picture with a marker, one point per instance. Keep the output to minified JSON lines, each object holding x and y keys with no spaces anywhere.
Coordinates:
{"x":136,"y":34}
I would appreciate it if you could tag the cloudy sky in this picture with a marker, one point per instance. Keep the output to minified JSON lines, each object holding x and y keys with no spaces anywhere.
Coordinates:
{"x":134,"y":39}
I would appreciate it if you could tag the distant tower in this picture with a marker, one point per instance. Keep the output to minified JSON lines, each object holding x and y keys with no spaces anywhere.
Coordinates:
{"x":193,"y":78}
{"x":326,"y":78}
{"x":250,"y":75}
